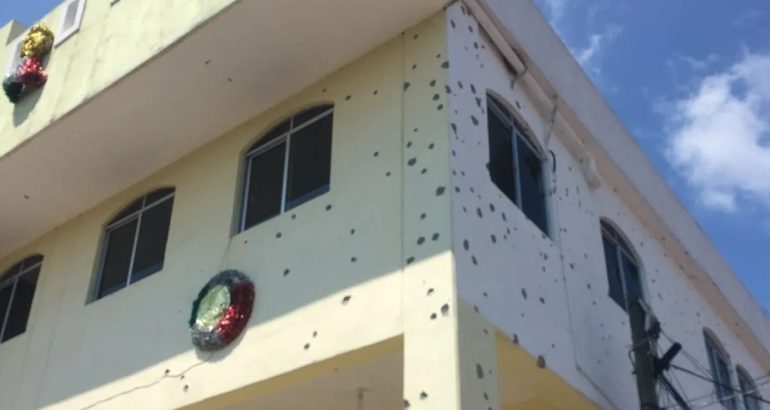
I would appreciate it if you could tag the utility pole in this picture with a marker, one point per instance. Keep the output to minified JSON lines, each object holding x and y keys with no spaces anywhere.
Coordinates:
{"x":644,"y":356}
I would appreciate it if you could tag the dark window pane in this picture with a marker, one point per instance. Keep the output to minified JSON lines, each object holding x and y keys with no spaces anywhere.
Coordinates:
{"x":274,"y":133}
{"x":135,"y":206}
{"x":151,"y":246}
{"x":631,"y":278}
{"x":531,"y":180}
{"x":309,"y":114}
{"x":613,"y":273}
{"x":157,"y":195}
{"x":120,"y":243}
{"x":5,"y":299}
{"x":309,"y":162}
{"x":31,"y":261}
{"x":501,"y":168}
{"x":265,"y":186}
{"x":21,"y":305}
{"x":12,"y":270}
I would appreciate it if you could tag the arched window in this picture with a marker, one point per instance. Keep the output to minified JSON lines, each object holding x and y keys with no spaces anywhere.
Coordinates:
{"x":17,"y":289}
{"x":720,"y":370}
{"x":515,"y":164}
{"x":749,"y":391}
{"x":625,"y":285}
{"x":135,"y":242}
{"x":288,"y":166}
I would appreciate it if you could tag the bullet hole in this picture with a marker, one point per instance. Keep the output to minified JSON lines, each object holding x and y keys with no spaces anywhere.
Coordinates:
{"x":406,"y":85}
{"x":515,"y":338}
{"x":409,"y":144}
{"x":375,"y":92}
{"x":278,"y":235}
{"x":440,"y":107}
{"x":452,"y":22}
{"x":207,"y":62}
{"x":167,"y":371}
{"x":476,"y":308}
{"x":485,"y":294}
{"x":324,"y":90}
{"x":445,"y":64}
{"x":479,"y":213}
{"x":541,"y":361}
{"x":409,"y":260}
{"x":414,"y":67}
{"x":415,"y":129}
{"x":474,"y":260}
{"x":406,"y":404}
{"x":474,"y":120}
{"x":588,"y":285}
{"x":229,"y":79}
{"x":346,"y":299}
{"x":26,"y":196}
{"x":454,"y":128}
{"x":494,"y":238}
{"x":246,"y":242}
{"x":423,"y":216}
{"x":470,"y":28}
{"x":473,"y":88}
{"x":448,"y":89}
{"x":387,"y":174}
{"x":440,"y":190}
{"x":347,"y":98}
{"x":185,"y":388}
{"x":430,"y":292}
{"x":416,"y":36}
{"x":435,"y":237}
{"x":421,"y":240}
{"x":286,"y":272}
{"x":433,"y":84}
{"x":466,"y":245}
{"x":436,"y":97}
{"x":430,"y":146}
{"x":457,"y":189}
{"x":412,"y":161}
{"x":479,"y":371}
{"x":524,"y":293}
{"x":307,"y":346}
{"x":445,"y":309}
{"x":518,"y":105}
{"x":460,"y":84}
{"x":542,"y":300}
{"x":423,"y":396}
{"x":353,"y":259}
{"x":433,"y":316}
{"x":376,"y":154}
{"x":492,"y":207}
{"x":293,"y":216}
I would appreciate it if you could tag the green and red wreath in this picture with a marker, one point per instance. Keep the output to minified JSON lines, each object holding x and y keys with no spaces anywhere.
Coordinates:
{"x":222,"y":310}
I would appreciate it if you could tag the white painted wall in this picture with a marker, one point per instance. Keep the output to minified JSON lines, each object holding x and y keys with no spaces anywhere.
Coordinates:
{"x":551,"y":293}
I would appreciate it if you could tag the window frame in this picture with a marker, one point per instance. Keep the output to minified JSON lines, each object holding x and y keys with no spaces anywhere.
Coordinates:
{"x":622,"y":248}
{"x":9,"y":277}
{"x":497,"y":107}
{"x":750,"y":396}
{"x":115,"y":224}
{"x":63,"y":34}
{"x":260,"y":147}
{"x":715,"y":350}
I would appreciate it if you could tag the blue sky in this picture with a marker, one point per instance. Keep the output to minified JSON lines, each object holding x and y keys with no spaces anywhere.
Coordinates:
{"x":691,"y":81}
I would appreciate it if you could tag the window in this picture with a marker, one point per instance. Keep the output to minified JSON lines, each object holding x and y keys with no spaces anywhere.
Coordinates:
{"x":17,"y":289}
{"x":720,"y":372}
{"x":287,"y":167}
{"x":15,"y":57}
{"x":515,"y":165}
{"x":622,"y":268}
{"x":72,"y":14}
{"x":751,"y":397}
{"x":135,"y":242}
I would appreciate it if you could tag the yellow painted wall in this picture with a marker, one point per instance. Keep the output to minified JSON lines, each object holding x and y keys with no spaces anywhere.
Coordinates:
{"x":353,"y":242}
{"x":112,"y":41}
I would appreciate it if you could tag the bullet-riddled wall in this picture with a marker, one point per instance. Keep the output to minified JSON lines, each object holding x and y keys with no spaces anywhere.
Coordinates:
{"x":328,"y":274}
{"x":548,"y":291}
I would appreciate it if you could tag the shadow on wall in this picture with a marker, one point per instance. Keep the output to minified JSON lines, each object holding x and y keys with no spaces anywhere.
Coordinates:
{"x":26,"y":105}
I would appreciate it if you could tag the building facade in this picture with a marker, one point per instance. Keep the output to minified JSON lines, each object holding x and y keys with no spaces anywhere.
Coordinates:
{"x":435,"y":206}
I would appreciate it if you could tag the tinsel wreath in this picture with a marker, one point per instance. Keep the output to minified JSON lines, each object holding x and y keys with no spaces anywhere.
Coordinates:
{"x":38,"y":42}
{"x":12,"y":87}
{"x":222,"y":310}
{"x":31,"y":72}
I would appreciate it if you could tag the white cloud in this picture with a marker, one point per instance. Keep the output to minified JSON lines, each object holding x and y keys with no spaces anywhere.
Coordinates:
{"x":597,"y":42}
{"x":720,"y":136}
{"x":556,"y":9}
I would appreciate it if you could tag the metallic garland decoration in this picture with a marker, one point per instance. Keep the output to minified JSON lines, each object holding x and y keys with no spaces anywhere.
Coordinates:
{"x":38,"y":42}
{"x":221,"y":311}
{"x":29,"y":73}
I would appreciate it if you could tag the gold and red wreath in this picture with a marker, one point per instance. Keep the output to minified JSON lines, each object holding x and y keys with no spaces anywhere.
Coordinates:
{"x":29,"y":73}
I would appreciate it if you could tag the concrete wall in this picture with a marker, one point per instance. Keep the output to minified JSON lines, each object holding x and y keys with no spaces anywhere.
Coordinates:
{"x":329,"y":274}
{"x":112,"y":41}
{"x":550,"y":292}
